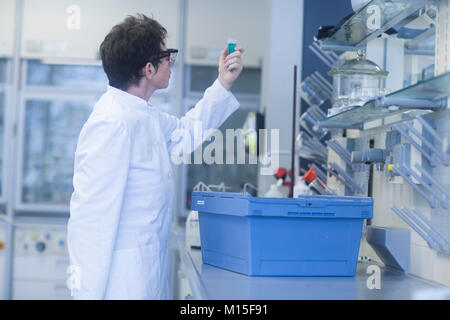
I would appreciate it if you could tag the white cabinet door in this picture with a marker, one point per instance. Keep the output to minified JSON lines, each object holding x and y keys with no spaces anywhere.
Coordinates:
{"x":74,"y":29}
{"x":40,"y":290}
{"x":6,"y":28}
{"x":210,"y":23}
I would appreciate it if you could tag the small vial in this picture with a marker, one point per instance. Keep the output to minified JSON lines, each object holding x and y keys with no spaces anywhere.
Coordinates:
{"x":320,"y":187}
{"x":231,"y":46}
{"x":315,"y":183}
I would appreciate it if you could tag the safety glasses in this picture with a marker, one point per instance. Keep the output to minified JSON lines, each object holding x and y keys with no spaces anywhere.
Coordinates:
{"x":171,"y":53}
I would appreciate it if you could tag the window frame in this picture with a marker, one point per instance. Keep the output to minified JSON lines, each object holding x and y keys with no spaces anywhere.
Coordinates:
{"x":6,"y":89}
{"x":44,"y":93}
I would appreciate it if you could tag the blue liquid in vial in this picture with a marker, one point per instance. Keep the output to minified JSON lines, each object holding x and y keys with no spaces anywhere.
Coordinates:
{"x":231,"y":48}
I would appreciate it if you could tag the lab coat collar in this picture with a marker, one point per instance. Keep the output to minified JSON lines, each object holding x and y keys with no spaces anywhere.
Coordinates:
{"x":129,"y":99}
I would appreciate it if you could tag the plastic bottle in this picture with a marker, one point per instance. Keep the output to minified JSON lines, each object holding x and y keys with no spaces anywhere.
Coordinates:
{"x":274,"y":191}
{"x":301,"y":188}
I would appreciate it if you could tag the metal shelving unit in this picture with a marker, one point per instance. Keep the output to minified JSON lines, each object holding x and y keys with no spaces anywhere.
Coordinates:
{"x":409,"y":39}
{"x":370,"y":22}
{"x":408,"y":102}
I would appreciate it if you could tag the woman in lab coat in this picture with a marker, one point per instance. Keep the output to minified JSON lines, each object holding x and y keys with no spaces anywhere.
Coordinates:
{"x":121,"y":207}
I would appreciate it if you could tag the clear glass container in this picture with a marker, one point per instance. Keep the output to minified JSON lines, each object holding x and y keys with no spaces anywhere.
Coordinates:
{"x":356,"y":82}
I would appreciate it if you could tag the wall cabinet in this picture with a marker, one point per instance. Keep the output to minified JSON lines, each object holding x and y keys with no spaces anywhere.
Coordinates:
{"x":74,"y":29}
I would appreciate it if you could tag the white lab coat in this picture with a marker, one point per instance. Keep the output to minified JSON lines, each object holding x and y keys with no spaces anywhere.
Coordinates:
{"x":121,"y":207}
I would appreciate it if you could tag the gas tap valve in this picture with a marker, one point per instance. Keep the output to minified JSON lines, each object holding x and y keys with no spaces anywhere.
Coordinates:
{"x":372,"y":156}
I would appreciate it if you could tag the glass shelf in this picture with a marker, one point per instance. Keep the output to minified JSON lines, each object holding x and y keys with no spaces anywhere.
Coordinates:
{"x":356,"y":31}
{"x":432,"y":89}
{"x":424,"y":41}
{"x":430,"y":92}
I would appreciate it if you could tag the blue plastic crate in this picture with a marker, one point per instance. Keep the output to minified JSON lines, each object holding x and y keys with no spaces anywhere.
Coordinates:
{"x":306,"y":236}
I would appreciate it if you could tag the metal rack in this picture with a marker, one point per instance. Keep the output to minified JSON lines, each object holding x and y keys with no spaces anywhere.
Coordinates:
{"x":424,"y":228}
{"x":415,"y":156}
{"x":370,"y":22}
{"x":424,"y":97}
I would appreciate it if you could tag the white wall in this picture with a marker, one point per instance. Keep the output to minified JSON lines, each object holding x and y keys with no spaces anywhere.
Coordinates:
{"x":211,"y":23}
{"x":425,"y":262}
{"x":6,"y":27}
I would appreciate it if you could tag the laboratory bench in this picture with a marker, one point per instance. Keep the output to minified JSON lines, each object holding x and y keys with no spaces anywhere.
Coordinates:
{"x":212,"y":283}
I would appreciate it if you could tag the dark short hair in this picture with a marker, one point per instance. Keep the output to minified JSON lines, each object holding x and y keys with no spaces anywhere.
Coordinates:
{"x":127,"y":48}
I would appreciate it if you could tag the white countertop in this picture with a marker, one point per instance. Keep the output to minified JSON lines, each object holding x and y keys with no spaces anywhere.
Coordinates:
{"x":209,"y":282}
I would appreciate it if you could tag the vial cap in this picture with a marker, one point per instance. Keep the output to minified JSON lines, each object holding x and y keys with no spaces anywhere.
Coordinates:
{"x":310,"y":176}
{"x":280,"y":173}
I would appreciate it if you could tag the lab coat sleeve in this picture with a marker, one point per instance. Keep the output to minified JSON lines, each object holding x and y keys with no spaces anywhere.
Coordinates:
{"x":216,"y":105}
{"x":100,"y":175}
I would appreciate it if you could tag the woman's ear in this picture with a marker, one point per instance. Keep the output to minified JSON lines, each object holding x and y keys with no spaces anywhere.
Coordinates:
{"x":149,"y":70}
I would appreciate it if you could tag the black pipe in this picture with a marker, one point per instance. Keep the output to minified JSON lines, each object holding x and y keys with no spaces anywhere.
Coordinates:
{"x":294,"y":123}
